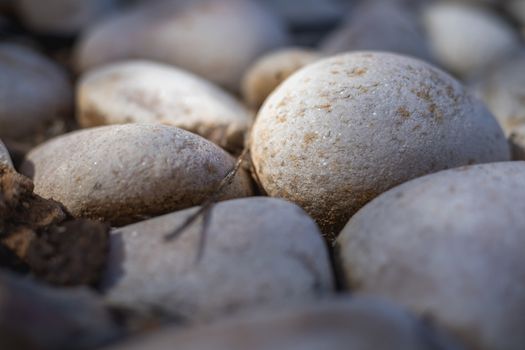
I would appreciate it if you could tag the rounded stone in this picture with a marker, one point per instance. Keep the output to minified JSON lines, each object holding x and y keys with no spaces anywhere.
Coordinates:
{"x":33,"y":92}
{"x":466,"y":38}
{"x":502,"y":88}
{"x":380,"y":26}
{"x":336,"y":324}
{"x":126,"y":173}
{"x":62,"y":17}
{"x":448,"y":246}
{"x":251,"y":252}
{"x":142,"y":91}
{"x":271,"y":70}
{"x":343,"y":130}
{"x":217,"y":40}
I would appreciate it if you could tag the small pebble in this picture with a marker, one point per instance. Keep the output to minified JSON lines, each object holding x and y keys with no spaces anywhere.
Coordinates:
{"x":380,"y":26}
{"x":448,"y":246}
{"x":466,"y":38}
{"x":34,"y":92}
{"x":142,"y":91}
{"x":62,"y":17}
{"x":345,"y":129}
{"x":271,"y":70}
{"x":216,"y":39}
{"x":128,"y":173}
{"x":502,"y":88}
{"x":251,"y":252}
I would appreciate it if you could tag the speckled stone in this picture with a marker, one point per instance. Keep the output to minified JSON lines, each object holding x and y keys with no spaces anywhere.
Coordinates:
{"x":502,"y":88}
{"x":126,"y":173}
{"x":4,"y":155}
{"x":466,"y":38}
{"x":343,"y":130}
{"x":217,"y":40}
{"x":336,"y":324}
{"x":449,"y":246}
{"x":142,"y":91}
{"x":271,"y":70}
{"x":254,"y":252}
{"x":517,"y":142}
{"x":33,"y":92}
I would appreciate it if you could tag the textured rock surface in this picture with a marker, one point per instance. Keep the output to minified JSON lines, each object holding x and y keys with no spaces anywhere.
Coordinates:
{"x":141,"y":91}
{"x":217,"y":40}
{"x":271,"y":70}
{"x":125,"y":173}
{"x":449,"y":246}
{"x":33,"y":92}
{"x":255,"y":251}
{"x":349,"y":324}
{"x":466,"y":38}
{"x":345,"y":129}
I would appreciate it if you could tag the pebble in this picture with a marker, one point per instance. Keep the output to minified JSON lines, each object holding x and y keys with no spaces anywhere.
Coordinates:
{"x":448,"y":246}
{"x":62,"y":17}
{"x":466,"y":38}
{"x":271,"y":70}
{"x":217,"y":39}
{"x":502,"y":88}
{"x":142,"y":91}
{"x":380,"y":26}
{"x":34,"y":92}
{"x":345,"y":129}
{"x":127,"y":173}
{"x":253,"y":252}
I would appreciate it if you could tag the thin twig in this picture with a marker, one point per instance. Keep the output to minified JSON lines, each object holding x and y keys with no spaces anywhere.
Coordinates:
{"x":226,"y":181}
{"x":204,"y":231}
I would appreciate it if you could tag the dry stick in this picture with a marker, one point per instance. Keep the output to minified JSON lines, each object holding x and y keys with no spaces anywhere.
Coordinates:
{"x":208,"y":204}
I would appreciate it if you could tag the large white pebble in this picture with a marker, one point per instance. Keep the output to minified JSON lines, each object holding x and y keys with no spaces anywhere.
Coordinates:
{"x":217,"y":40}
{"x":142,"y":91}
{"x":517,"y":142}
{"x":502,"y":88}
{"x":271,"y":70}
{"x":33,"y":92}
{"x":381,"y":26}
{"x":125,"y":173}
{"x":254,"y":251}
{"x":343,"y":130}
{"x":62,"y":17}
{"x":466,"y":38}
{"x":449,"y":246}
{"x":336,"y":324}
